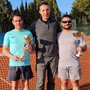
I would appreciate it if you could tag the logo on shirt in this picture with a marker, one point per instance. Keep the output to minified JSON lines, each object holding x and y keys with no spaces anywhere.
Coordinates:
{"x":13,"y":36}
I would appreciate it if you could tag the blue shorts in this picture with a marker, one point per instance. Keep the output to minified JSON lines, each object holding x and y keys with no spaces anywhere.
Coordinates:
{"x":18,"y":72}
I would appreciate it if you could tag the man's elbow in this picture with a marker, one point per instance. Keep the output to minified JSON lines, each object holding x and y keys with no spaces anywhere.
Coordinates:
{"x":3,"y":51}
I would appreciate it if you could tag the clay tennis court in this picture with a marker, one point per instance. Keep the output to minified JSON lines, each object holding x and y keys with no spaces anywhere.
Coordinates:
{"x":84,"y":82}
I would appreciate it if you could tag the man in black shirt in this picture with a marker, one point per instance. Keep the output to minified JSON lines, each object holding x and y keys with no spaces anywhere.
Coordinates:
{"x":45,"y":32}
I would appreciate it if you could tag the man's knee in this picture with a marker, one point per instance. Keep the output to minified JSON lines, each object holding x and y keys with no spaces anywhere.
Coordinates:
{"x":75,"y":83}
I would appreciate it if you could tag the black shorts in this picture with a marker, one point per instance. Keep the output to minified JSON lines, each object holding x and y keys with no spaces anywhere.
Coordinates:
{"x":19,"y":72}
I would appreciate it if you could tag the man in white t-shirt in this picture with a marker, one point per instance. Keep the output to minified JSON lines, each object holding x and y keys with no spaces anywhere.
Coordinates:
{"x":69,"y":65}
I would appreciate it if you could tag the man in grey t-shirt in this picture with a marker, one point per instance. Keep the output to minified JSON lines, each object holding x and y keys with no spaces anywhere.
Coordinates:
{"x":69,"y":65}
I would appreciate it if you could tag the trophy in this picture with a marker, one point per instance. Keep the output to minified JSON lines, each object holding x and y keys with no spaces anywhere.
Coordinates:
{"x":28,"y":40}
{"x":78,"y":35}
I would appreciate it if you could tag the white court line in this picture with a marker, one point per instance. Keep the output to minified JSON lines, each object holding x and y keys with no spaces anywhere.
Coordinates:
{"x":1,"y":54}
{"x":88,"y":46}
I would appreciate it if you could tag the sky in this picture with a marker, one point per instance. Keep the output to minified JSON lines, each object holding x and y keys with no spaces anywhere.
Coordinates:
{"x":63,"y":5}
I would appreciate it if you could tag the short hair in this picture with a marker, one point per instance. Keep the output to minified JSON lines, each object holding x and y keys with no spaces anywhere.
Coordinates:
{"x":17,"y":14}
{"x":66,"y":15}
{"x":42,"y":3}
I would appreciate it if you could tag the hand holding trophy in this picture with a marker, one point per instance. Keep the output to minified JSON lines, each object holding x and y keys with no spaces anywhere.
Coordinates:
{"x":78,"y":35}
{"x":28,"y":40}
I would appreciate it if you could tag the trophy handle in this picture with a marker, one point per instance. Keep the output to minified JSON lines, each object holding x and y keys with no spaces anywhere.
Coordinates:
{"x":79,"y":54}
{"x":22,"y":56}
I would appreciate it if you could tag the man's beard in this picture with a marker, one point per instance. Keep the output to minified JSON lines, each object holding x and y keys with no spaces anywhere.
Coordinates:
{"x":67,"y":28}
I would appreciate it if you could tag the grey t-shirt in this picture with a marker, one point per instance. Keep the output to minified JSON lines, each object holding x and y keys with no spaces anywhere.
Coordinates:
{"x":67,"y":48}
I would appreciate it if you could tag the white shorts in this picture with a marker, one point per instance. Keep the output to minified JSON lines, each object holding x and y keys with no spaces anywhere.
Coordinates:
{"x":69,"y":72}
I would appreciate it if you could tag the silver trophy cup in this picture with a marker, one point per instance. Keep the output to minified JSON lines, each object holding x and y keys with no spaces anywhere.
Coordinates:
{"x":78,"y":35}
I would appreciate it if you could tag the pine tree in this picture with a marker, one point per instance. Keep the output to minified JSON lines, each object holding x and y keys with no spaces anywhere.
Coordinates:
{"x":5,"y":15}
{"x":81,"y":10}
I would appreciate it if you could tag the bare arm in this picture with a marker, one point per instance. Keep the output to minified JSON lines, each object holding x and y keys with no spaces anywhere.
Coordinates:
{"x":5,"y":51}
{"x":30,"y":48}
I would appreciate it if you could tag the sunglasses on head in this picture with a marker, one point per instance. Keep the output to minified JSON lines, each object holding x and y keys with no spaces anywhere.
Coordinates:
{"x":67,"y":21}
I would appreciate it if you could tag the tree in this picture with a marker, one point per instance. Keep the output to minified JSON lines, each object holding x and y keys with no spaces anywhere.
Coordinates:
{"x":81,"y":9}
{"x":33,"y":12}
{"x":29,"y":12}
{"x":55,"y":10}
{"x":5,"y":15}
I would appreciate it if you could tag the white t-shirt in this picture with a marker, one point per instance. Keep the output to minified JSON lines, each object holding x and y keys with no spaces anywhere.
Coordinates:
{"x":67,"y":48}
